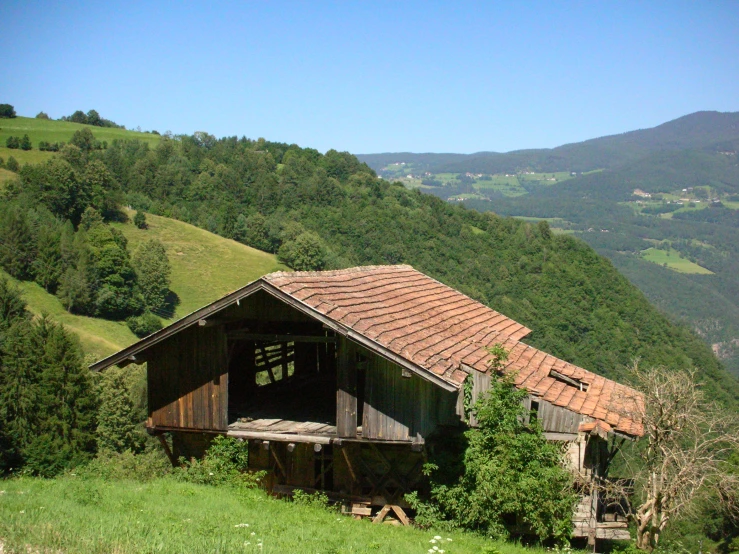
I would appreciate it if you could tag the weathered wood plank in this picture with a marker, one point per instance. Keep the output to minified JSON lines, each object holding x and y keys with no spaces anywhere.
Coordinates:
{"x":346,"y":394}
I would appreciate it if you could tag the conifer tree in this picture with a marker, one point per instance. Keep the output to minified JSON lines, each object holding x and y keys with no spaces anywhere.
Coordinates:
{"x":18,"y":377}
{"x":48,"y":267}
{"x":64,"y":435}
{"x":16,"y":243}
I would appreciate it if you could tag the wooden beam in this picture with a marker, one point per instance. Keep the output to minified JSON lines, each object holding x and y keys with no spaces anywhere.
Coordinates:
{"x":279,"y":462}
{"x":265,"y":337}
{"x":560,"y":436}
{"x":167,"y":450}
{"x":379,"y":518}
{"x":280,"y":437}
{"x":349,"y":464}
{"x":401,"y":514}
{"x":574,"y":382}
{"x":346,"y":391}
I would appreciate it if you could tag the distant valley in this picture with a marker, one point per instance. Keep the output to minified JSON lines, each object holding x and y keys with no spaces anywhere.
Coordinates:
{"x":662,"y":204}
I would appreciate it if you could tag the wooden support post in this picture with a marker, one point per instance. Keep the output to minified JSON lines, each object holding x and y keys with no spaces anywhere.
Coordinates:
{"x":279,"y":462}
{"x":380,"y":517}
{"x":401,"y":514}
{"x":346,"y":393}
{"x":167,"y":450}
{"x":349,"y":464}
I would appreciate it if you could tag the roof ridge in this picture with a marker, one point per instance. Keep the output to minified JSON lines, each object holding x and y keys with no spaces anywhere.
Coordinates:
{"x":332,"y":272}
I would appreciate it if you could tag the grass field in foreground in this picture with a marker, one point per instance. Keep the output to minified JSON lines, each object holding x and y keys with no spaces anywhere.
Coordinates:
{"x":75,"y":515}
{"x":674,"y":261}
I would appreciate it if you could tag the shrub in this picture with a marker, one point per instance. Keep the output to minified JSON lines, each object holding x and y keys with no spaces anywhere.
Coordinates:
{"x":6,"y":110}
{"x":224,"y":463}
{"x":13,"y":142}
{"x":509,"y":472}
{"x":140,"y":220}
{"x":12,"y":165}
{"x":317,"y":499}
{"x":25,"y":143}
{"x":42,"y":115}
{"x":126,"y":465}
{"x":304,"y":253}
{"x":144,"y":324}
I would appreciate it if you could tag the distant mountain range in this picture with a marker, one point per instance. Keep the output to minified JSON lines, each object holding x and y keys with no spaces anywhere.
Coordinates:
{"x":699,"y":130}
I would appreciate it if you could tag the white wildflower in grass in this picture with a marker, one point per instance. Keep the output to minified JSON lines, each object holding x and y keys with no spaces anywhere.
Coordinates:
{"x":253,"y":533}
{"x":432,"y":541}
{"x":449,"y":539}
{"x":431,"y":551}
{"x":23,"y":511}
{"x":437,"y":537}
{"x":241,"y":525}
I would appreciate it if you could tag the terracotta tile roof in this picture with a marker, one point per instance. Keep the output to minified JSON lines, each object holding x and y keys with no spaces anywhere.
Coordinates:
{"x":447,"y":333}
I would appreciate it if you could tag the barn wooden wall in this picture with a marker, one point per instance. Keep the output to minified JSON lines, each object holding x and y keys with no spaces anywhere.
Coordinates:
{"x":553,"y":418}
{"x":188,"y":380}
{"x":402,"y":408}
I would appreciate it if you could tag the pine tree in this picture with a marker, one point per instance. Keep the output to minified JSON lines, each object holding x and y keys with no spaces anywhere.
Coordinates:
{"x":25,"y":143}
{"x":64,"y":435}
{"x":17,"y":245}
{"x":12,"y":164}
{"x":153,"y":269}
{"x":18,"y":377}
{"x":48,"y":267}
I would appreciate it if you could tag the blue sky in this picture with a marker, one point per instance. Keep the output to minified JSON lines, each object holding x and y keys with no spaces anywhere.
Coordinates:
{"x":375,"y":76}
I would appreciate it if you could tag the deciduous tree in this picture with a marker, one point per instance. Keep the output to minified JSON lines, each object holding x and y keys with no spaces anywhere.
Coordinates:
{"x":681,"y":457}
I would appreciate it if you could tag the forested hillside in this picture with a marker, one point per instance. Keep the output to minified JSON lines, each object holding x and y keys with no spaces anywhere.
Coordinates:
{"x":325,"y":211}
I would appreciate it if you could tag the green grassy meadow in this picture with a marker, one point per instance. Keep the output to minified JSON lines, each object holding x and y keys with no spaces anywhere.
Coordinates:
{"x":56,"y":131}
{"x":204,"y":268}
{"x":87,"y":515}
{"x":674,"y":261}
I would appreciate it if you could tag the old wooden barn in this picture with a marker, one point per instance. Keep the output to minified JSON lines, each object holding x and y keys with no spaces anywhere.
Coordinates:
{"x":339,"y":379}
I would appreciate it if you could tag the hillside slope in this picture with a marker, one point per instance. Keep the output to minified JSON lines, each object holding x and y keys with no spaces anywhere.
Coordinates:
{"x":204,"y":268}
{"x":49,"y":130}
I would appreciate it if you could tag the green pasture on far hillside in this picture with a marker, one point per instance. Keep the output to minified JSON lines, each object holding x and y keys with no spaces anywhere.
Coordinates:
{"x":91,"y":516}
{"x":56,"y":131}
{"x":673,"y":260}
{"x":204,"y":266}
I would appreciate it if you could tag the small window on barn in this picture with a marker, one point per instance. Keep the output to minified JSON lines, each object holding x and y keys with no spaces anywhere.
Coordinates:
{"x":569,"y":380}
{"x":534,"y":412}
{"x":274,"y":362}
